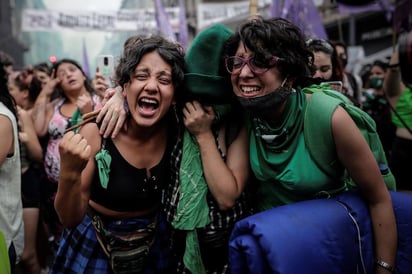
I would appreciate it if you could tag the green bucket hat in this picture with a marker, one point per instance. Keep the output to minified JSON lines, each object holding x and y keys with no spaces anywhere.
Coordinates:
{"x":206,"y":78}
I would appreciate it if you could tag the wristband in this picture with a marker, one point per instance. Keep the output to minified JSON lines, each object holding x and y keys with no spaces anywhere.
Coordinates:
{"x":385,"y":265}
{"x":393,"y":65}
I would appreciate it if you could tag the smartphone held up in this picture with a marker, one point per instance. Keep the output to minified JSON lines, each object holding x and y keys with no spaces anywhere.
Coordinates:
{"x":106,"y":68}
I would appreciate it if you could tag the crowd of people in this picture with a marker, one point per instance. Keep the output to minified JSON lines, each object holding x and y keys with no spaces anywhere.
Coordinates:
{"x":152,"y":175}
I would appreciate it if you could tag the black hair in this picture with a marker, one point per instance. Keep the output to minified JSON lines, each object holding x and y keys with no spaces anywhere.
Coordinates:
{"x":321,"y":45}
{"x":172,"y":53}
{"x":44,"y":67}
{"x":24,"y":80}
{"x":340,"y":43}
{"x":5,"y":96}
{"x":276,"y":37}
{"x":87,"y":82}
{"x":6,"y":59}
{"x":381,"y":64}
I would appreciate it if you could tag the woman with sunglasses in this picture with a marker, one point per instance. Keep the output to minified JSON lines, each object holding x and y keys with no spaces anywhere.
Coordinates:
{"x":270,"y":63}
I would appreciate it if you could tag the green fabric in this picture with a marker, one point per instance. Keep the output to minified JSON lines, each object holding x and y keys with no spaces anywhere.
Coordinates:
{"x":404,"y":109}
{"x":192,"y":257}
{"x":264,"y":163}
{"x":206,"y":78}
{"x":103,"y":160}
{"x":76,"y":119}
{"x":297,"y":180}
{"x":285,"y":170}
{"x":319,"y":137}
{"x":4,"y":256}
{"x":208,"y":82}
{"x":192,"y":209}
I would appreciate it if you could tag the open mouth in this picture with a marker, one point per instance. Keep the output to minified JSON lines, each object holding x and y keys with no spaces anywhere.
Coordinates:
{"x":148,"y":106}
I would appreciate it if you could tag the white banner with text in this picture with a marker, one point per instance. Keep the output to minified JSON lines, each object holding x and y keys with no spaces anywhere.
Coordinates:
{"x":122,"y":20}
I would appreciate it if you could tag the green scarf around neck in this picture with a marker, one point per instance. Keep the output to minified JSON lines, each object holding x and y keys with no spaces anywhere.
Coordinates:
{"x":272,"y":147}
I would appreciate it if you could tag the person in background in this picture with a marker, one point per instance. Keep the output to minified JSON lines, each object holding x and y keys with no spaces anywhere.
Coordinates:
{"x":376,"y":105}
{"x":11,"y":209}
{"x":42,"y":72}
{"x":351,"y":83}
{"x":400,"y":97}
{"x":327,"y":66}
{"x":53,"y":116}
{"x":7,"y":62}
{"x":269,"y":80}
{"x":110,"y":189}
{"x":100,"y":86}
{"x":25,"y":93}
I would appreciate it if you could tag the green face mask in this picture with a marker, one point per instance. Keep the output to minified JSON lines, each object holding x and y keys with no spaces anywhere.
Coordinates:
{"x":376,"y":82}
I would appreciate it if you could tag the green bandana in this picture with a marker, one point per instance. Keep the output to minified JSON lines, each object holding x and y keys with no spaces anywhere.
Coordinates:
{"x":193,"y":209}
{"x":271,"y":148}
{"x":103,"y":160}
{"x":76,"y":119}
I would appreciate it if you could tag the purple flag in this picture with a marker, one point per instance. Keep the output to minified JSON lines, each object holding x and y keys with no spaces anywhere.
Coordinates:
{"x":303,"y":14}
{"x":379,"y":5}
{"x":85,"y":60}
{"x":275,"y":8}
{"x":386,"y":6}
{"x":401,"y":15}
{"x":183,"y":31}
{"x":163,"y":24}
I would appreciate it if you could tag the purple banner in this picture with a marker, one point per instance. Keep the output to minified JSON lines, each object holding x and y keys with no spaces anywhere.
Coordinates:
{"x":85,"y":60}
{"x":379,"y":5}
{"x":162,"y":19}
{"x":402,"y":17}
{"x":303,"y":13}
{"x":183,"y":31}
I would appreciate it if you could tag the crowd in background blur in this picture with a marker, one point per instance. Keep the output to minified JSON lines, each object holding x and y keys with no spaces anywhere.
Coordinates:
{"x":51,"y":97}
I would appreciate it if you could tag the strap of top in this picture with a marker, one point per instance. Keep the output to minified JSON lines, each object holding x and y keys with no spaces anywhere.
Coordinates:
{"x":318,"y":131}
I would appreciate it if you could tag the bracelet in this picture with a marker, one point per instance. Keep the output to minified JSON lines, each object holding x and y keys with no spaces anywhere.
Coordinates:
{"x":385,"y":265}
{"x":393,"y":65}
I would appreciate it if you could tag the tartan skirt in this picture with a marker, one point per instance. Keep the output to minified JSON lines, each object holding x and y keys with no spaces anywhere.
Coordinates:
{"x":80,"y":252}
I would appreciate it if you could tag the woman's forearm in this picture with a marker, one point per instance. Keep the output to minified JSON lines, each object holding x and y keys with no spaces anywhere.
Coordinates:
{"x":226,"y":180}
{"x":69,"y":203}
{"x":33,"y":145}
{"x":40,"y":115}
{"x":392,"y":84}
{"x":385,"y":232}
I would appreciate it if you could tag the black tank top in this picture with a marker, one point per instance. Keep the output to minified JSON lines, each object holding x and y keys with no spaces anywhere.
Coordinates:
{"x":129,"y":188}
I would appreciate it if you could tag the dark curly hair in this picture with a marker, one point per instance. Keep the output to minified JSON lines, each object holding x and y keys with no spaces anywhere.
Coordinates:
{"x":87,"y":82}
{"x":172,"y":53}
{"x":321,"y":45}
{"x":275,"y":37}
{"x":378,"y":63}
{"x":5,"y":96}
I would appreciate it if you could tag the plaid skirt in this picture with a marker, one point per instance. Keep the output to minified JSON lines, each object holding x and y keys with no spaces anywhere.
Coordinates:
{"x":80,"y":252}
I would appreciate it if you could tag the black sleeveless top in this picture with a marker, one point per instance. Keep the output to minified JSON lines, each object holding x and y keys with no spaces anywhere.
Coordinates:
{"x":129,"y":188}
